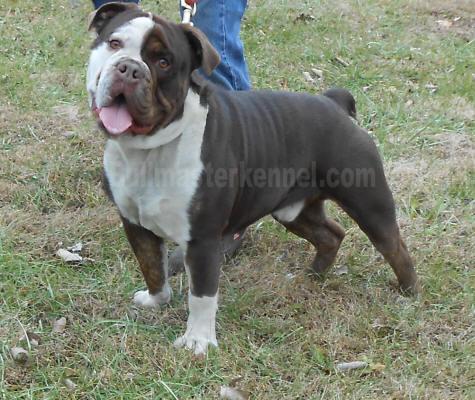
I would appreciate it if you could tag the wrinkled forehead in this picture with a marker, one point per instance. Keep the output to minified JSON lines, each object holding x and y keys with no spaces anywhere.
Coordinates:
{"x":136,"y":27}
{"x":132,"y":29}
{"x":120,"y":21}
{"x":133,"y":32}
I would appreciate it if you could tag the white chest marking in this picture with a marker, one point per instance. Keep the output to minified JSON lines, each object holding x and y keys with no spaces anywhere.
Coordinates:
{"x":153,"y":178}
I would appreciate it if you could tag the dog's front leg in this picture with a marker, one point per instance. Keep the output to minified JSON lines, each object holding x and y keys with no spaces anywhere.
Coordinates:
{"x":151,"y":253}
{"x":202,"y":263}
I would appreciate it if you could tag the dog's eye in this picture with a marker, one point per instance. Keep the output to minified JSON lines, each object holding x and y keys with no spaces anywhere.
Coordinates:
{"x":115,"y":44}
{"x":163,"y":63}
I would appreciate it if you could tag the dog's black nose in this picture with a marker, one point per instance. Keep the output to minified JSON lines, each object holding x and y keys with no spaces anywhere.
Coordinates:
{"x":130,"y":71}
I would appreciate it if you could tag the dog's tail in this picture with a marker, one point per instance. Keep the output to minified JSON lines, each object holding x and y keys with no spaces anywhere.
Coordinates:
{"x":344,"y":99}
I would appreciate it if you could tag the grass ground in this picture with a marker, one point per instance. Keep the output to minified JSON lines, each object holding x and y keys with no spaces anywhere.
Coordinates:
{"x":410,"y":65}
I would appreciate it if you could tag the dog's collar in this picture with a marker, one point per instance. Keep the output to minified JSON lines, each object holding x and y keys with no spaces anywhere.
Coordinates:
{"x":193,"y":112}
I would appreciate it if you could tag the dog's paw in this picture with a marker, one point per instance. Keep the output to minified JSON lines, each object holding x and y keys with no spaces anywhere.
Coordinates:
{"x":143,"y":298}
{"x":197,"y":341}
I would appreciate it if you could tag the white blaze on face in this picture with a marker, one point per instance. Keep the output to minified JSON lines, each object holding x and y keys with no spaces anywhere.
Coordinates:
{"x":99,"y":73}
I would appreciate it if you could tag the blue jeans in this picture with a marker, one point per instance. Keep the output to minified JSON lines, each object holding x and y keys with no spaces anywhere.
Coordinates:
{"x":220,"y":20}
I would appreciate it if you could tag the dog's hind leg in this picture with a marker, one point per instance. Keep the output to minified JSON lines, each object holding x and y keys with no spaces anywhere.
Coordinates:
{"x":313,"y":225}
{"x":151,"y":254}
{"x":373,"y":210}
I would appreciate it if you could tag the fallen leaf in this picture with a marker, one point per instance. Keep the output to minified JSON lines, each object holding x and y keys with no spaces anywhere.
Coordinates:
{"x":318,"y":73}
{"x":431,"y":87}
{"x":19,"y":354}
{"x":308,"y":77}
{"x":32,"y":338}
{"x":68,"y":257}
{"x":230,"y":393}
{"x":348,"y":366}
{"x":69,"y":384}
{"x":76,"y":248}
{"x":444,"y":23}
{"x":59,"y":325}
{"x":378,"y":367}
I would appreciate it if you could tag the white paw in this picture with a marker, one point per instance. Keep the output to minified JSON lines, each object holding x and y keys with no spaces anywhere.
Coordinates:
{"x":143,"y":298}
{"x":201,"y":325}
{"x":197,"y":342}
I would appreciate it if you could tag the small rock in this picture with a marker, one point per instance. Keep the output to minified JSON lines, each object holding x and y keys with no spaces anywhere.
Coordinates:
{"x":230,"y":393}
{"x":59,"y":325}
{"x":19,"y":354}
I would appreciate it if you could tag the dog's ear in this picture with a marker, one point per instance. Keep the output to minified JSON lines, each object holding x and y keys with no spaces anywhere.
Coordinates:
{"x":99,"y":18}
{"x":205,"y":55}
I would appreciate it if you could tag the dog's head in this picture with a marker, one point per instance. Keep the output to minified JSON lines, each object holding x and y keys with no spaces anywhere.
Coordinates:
{"x":140,"y":68}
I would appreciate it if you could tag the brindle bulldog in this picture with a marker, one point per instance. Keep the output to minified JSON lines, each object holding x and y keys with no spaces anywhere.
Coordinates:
{"x":190,"y":162}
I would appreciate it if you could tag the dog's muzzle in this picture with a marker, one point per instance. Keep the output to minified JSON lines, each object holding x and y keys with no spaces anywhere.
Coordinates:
{"x":122,"y":87}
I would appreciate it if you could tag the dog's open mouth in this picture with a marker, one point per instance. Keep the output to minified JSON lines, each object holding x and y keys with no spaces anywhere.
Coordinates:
{"x":117,"y":119}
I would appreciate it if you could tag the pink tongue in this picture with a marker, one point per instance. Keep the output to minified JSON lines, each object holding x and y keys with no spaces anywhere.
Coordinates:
{"x":116,"y":118}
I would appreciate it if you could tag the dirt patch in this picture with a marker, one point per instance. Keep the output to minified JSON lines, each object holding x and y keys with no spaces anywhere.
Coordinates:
{"x":450,"y":8}
{"x":451,"y":155}
{"x":431,"y":191}
{"x":461,"y":108}
{"x":38,"y":235}
{"x":450,"y":17}
{"x":36,"y":127}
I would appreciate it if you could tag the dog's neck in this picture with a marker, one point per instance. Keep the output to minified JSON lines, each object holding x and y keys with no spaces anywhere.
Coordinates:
{"x":193,"y":111}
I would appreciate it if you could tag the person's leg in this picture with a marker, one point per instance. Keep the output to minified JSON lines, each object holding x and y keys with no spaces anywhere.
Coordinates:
{"x":220,"y":20}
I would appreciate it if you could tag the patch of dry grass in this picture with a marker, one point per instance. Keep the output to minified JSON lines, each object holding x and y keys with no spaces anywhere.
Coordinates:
{"x":279,"y":329}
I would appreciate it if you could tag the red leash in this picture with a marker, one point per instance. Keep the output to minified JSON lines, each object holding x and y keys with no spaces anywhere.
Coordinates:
{"x":189,"y":9}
